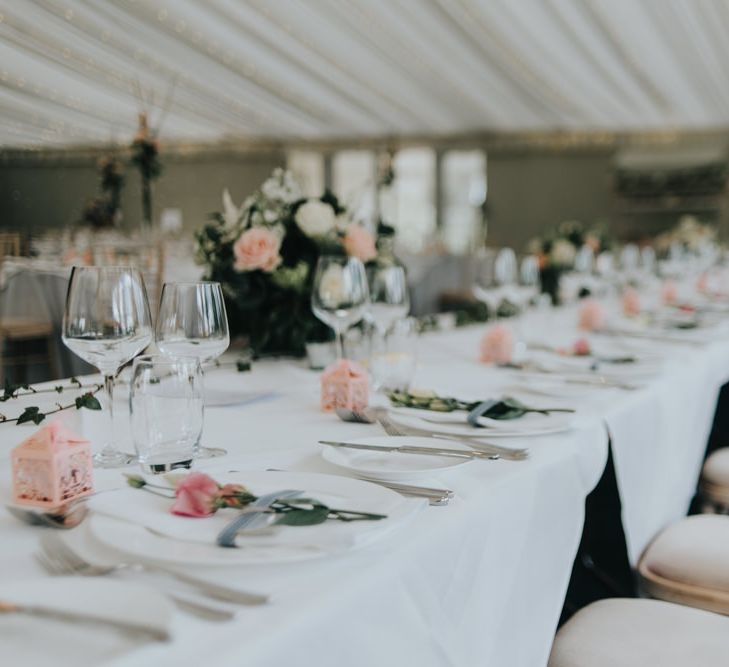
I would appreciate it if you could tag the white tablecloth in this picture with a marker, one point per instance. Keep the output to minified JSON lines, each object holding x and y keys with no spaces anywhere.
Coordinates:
{"x":479,"y":582}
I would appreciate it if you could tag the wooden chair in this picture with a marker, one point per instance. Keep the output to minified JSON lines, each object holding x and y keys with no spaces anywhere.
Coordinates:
{"x":688,"y":563}
{"x":640,"y":633}
{"x":19,"y":333}
{"x":22,"y":332}
{"x":714,"y":484}
{"x":9,"y":244}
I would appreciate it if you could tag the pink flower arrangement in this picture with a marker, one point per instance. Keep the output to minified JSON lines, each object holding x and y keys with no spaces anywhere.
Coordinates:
{"x":631,"y":302}
{"x":359,"y":243}
{"x":669,"y":293}
{"x":591,"y":316}
{"x":497,"y":345}
{"x":257,"y":248}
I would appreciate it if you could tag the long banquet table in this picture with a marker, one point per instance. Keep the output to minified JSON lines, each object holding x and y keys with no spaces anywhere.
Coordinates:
{"x":478,"y":582}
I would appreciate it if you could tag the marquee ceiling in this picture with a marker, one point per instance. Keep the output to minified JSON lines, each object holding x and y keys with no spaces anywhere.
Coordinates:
{"x":76,"y":71}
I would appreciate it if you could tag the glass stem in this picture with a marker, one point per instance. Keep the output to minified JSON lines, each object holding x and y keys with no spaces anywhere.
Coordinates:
{"x":109,"y":388}
{"x":340,"y":344}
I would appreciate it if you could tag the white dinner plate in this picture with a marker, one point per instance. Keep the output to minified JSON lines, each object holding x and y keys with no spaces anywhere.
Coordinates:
{"x":526,"y":426}
{"x":122,"y":521}
{"x":576,"y":366}
{"x":391,"y":466}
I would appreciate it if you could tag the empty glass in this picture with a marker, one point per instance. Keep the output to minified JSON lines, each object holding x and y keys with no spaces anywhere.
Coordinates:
{"x":389,"y":298}
{"x":106,"y":322}
{"x":393,"y":361}
{"x":166,"y":407}
{"x":192,"y":322}
{"x":340,"y":297}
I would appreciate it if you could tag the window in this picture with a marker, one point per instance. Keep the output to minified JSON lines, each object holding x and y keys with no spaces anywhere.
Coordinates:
{"x":409,"y":203}
{"x":353,"y":181}
{"x":463,"y":179}
{"x":308,"y":170}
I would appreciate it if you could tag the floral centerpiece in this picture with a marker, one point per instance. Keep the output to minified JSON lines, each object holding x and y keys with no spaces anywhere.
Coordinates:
{"x":264,"y":253}
{"x":690,"y":234}
{"x":557,"y":250}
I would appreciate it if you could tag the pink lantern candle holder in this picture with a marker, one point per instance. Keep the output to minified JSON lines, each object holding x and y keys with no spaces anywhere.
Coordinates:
{"x":344,"y":384}
{"x":497,"y":345}
{"x":669,"y":293}
{"x":591,"y":316}
{"x":631,"y":302}
{"x":51,"y":467}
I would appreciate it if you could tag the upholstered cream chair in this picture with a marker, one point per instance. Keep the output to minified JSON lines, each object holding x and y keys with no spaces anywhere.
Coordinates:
{"x":688,"y":563}
{"x":714,"y":485}
{"x":641,"y":633}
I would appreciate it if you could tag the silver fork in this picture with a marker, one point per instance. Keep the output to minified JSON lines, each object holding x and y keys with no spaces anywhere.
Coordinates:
{"x":56,"y":549}
{"x":55,"y":565}
{"x":503,"y":452}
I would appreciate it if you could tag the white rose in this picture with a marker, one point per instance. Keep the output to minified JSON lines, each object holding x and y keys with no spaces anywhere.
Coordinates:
{"x":315,"y":218}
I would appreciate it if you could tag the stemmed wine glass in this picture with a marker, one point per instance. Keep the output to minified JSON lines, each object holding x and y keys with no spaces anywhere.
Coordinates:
{"x":389,"y":298}
{"x":106,"y":322}
{"x":340,"y":297}
{"x":192,"y":322}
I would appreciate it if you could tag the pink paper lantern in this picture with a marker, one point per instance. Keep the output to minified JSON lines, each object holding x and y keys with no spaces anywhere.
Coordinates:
{"x":591,"y":316}
{"x":344,"y":385}
{"x":631,"y":302}
{"x":52,"y":467}
{"x":669,"y":293}
{"x":497,"y":345}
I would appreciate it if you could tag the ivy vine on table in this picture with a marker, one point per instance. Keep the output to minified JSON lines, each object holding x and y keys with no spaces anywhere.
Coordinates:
{"x":88,"y":400}
{"x":33,"y":413}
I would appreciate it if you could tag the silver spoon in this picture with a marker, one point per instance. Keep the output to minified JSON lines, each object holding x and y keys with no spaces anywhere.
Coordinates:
{"x":64,"y":517}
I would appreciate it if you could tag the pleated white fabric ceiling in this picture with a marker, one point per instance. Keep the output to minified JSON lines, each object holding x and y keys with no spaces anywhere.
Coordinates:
{"x":71,"y":70}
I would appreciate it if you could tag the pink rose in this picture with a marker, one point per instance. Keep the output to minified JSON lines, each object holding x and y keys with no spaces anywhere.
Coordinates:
{"x":497,"y":345}
{"x":591,"y":316}
{"x":631,"y":302}
{"x":257,"y":248}
{"x":669,"y":292}
{"x":359,"y":243}
{"x":197,"y":496}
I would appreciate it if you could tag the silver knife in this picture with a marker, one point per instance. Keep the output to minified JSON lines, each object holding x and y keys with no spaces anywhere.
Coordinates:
{"x":83,"y":617}
{"x":408,"y":449}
